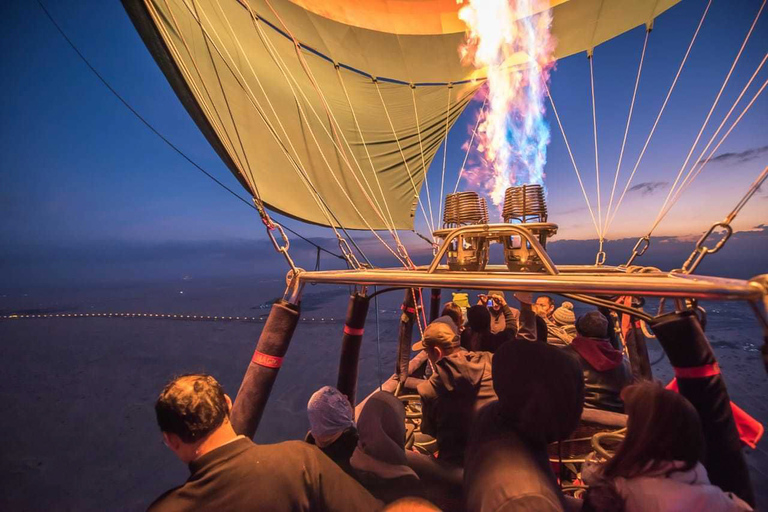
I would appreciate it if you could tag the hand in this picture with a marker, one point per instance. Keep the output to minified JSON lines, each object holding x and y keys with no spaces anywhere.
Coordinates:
{"x":482,"y":299}
{"x":500,"y":300}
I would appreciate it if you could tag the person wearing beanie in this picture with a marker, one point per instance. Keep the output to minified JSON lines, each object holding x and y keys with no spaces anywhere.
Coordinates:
{"x":379,"y":459}
{"x":332,"y":426}
{"x":460,"y":385}
{"x":606,"y":372}
{"x":503,"y":317}
{"x":561,"y":328}
{"x":541,"y":394}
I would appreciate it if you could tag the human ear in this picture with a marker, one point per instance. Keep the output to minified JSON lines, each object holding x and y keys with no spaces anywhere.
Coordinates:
{"x":229,"y":403}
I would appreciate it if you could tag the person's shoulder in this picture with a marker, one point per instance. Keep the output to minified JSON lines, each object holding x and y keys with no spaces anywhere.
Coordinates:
{"x":166,"y":502}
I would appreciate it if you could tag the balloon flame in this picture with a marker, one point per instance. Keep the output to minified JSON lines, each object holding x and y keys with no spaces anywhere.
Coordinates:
{"x":511,"y":40}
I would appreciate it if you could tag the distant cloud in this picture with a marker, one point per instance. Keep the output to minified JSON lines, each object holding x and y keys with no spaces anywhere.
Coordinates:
{"x":740,"y":157}
{"x":647,"y":188}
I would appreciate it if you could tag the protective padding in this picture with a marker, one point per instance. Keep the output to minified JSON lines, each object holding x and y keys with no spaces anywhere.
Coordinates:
{"x":349,"y":360}
{"x":259,"y":377}
{"x":686,"y":345}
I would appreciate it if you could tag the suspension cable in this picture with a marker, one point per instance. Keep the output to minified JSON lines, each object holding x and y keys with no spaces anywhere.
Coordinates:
{"x":296,"y":163}
{"x":590,"y":56}
{"x":573,"y":161}
{"x":701,"y":251}
{"x":469,"y":146}
{"x":445,"y":153}
{"x":626,"y":130}
{"x":423,"y":161}
{"x":709,"y":157}
{"x":402,"y":155}
{"x":160,"y":135}
{"x":661,"y":111}
{"x":709,"y":115}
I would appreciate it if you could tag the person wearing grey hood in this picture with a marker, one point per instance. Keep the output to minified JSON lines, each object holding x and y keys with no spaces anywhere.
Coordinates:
{"x":450,"y":398}
{"x":379,"y":459}
{"x":540,"y":399}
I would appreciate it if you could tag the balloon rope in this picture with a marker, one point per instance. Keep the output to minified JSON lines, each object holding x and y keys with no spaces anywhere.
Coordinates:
{"x":626,"y":132}
{"x":709,"y":156}
{"x":402,"y":155}
{"x":423,"y":161}
{"x":469,"y":146}
{"x":597,"y":157}
{"x":661,"y":111}
{"x":297,"y":165}
{"x":706,"y":120}
{"x":573,"y":161}
{"x":445,"y":152}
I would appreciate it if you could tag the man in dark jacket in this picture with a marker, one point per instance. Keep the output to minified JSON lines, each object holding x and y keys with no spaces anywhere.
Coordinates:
{"x":606,"y":372}
{"x":460,"y":386}
{"x":231,"y":473}
{"x":540,"y":392}
{"x":479,"y":335}
{"x":503,"y":317}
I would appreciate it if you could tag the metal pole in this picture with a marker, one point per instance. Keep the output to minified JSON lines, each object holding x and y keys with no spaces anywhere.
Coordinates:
{"x":434,"y":304}
{"x":405,"y":336}
{"x":265,"y":364}
{"x":357,"y":311}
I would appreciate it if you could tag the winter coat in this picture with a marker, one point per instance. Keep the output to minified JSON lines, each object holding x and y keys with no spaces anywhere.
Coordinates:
{"x":450,"y":399}
{"x":668,"y":490}
{"x":606,"y":372}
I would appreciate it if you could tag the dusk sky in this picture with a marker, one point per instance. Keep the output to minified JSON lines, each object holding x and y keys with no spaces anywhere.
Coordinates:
{"x":78,"y":168}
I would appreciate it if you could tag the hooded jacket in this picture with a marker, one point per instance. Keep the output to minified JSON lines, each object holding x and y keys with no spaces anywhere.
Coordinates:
{"x":460,"y":386}
{"x":540,"y":396}
{"x":605,"y":372}
{"x":379,"y":459}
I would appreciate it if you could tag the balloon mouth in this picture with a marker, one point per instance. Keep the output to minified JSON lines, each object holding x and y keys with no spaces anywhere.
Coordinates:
{"x":422,"y":18}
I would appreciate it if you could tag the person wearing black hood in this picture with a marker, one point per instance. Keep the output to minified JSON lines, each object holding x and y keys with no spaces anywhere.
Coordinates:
{"x":540,"y":399}
{"x":460,"y":386}
{"x":606,"y":372}
{"x":379,"y":459}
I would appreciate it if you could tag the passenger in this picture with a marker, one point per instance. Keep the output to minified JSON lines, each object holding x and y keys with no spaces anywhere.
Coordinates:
{"x":454,"y":311}
{"x":540,"y":390}
{"x":657,"y":468}
{"x":332,"y":426}
{"x":562,"y":328}
{"x":231,"y":473}
{"x":460,"y":386}
{"x":606,"y":372}
{"x":500,"y":312}
{"x":545,"y":307}
{"x":478,"y":336}
{"x":379,"y":459}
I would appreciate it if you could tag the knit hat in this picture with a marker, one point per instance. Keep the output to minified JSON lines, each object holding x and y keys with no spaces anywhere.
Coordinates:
{"x":496,"y":293}
{"x":330,"y":414}
{"x":564,"y":314}
{"x":593,"y":325}
{"x":439,"y":334}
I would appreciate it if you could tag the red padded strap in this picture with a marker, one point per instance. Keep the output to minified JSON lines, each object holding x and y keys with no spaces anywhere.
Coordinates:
{"x":698,"y":372}
{"x":352,"y":331}
{"x":267,"y":360}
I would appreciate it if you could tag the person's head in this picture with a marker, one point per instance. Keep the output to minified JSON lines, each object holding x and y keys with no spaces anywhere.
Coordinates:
{"x":330,"y":415}
{"x":662,"y":426}
{"x":453,"y":310}
{"x":592,"y":325}
{"x":544,"y":306}
{"x":381,"y":428}
{"x":440,"y":339}
{"x":479,"y":319}
{"x":189,"y":409}
{"x":564,"y":315}
{"x":497,"y":296}
{"x":411,"y":504}
{"x":540,"y":390}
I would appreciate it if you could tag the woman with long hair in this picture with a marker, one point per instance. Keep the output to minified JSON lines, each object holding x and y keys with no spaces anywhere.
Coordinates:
{"x":658,"y":465}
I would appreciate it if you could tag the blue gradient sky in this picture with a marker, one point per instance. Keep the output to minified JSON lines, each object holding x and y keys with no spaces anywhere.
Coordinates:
{"x":78,"y":168}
